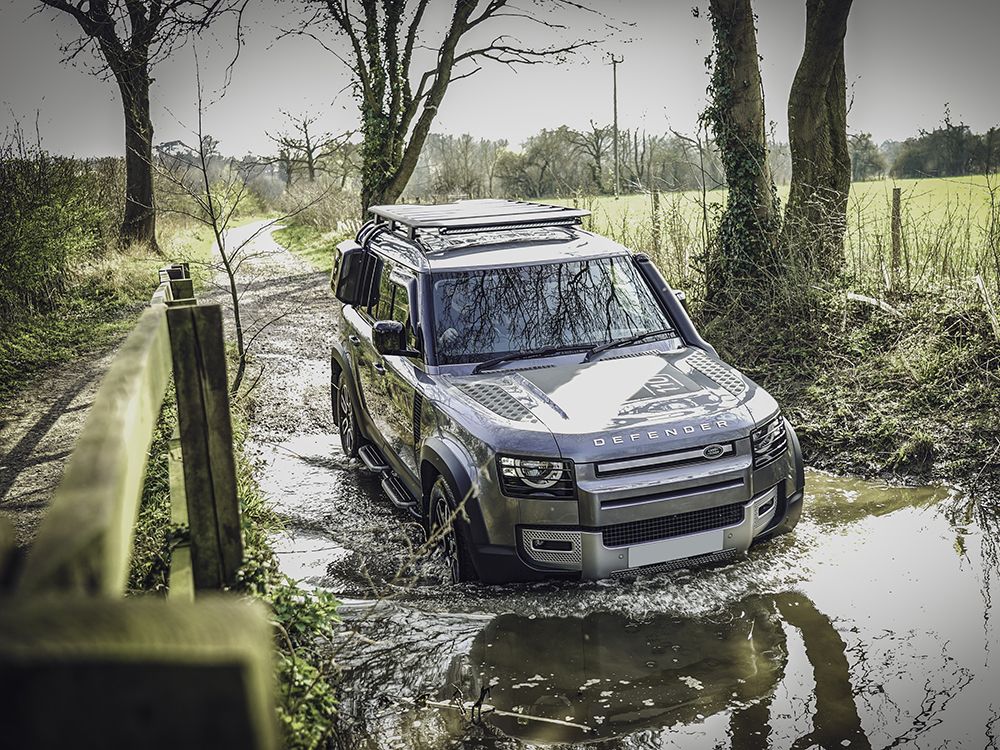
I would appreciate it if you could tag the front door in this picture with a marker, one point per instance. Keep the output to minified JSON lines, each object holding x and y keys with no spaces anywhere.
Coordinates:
{"x":388,"y":383}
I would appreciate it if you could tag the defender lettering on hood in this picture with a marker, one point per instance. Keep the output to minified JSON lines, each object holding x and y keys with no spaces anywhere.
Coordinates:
{"x":666,"y":432}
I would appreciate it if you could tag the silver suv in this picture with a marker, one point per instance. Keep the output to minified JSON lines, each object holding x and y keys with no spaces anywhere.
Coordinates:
{"x":537,"y":396}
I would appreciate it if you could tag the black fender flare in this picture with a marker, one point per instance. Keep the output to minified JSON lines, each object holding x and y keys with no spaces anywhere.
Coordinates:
{"x":340,"y":360}
{"x":449,"y":459}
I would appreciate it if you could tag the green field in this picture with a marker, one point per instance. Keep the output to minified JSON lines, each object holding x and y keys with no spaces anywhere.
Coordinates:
{"x":950,"y":228}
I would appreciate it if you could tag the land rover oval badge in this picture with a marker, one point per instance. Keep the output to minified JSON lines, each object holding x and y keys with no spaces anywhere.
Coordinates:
{"x":713,"y":451}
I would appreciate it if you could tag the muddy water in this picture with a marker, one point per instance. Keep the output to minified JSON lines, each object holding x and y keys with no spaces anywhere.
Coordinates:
{"x":870,"y":626}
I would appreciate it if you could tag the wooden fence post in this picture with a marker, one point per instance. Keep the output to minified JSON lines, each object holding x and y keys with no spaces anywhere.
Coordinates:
{"x":657,"y":223}
{"x":206,"y":437}
{"x":897,"y":227}
{"x":88,"y":673}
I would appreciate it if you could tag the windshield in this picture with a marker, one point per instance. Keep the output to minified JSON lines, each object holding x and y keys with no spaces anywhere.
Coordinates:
{"x":483,"y":314}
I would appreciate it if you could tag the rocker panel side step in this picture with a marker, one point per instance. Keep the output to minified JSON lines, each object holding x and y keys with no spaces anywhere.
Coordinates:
{"x":398,"y":494}
{"x":372,"y":459}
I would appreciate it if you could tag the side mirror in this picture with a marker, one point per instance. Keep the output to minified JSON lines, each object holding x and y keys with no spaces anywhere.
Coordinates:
{"x":389,"y":337}
{"x":354,"y":273}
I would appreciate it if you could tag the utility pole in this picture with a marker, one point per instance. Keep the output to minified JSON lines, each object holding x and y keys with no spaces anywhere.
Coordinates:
{"x":614,"y":74}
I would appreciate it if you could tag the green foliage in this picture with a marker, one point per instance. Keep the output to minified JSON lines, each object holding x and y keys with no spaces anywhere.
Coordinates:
{"x":304,"y":620}
{"x":53,"y":214}
{"x":866,"y":159}
{"x":948,"y":151}
{"x":875,"y":393}
{"x":154,"y":536}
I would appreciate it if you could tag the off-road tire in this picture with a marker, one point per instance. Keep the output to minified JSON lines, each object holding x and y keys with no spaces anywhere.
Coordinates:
{"x":345,"y":415}
{"x":456,"y":543}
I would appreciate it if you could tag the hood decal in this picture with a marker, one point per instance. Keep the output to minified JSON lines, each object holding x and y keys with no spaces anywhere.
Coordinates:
{"x":612,"y":395}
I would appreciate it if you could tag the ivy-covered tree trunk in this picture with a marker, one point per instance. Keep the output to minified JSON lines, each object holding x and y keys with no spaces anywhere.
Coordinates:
{"x":816,"y":215}
{"x":743,"y":258}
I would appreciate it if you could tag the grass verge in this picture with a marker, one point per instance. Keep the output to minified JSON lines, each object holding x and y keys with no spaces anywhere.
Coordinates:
{"x":909,"y":394}
{"x":100,"y":305}
{"x":311,"y":244}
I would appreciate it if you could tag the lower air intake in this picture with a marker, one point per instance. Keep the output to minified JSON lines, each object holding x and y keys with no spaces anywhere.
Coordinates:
{"x":666,"y":527}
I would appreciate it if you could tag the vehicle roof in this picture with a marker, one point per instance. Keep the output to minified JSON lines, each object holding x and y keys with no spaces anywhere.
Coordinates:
{"x":469,"y":216}
{"x":495,"y":249}
{"x":479,"y":234}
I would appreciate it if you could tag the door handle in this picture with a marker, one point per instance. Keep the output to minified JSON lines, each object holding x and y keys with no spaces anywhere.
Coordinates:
{"x":356,"y":340}
{"x":379,"y":368}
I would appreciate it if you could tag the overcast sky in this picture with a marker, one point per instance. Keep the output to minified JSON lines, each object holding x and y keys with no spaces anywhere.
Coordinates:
{"x":905,"y":60}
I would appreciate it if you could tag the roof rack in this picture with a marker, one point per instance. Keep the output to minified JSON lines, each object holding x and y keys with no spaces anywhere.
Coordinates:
{"x":474,"y":216}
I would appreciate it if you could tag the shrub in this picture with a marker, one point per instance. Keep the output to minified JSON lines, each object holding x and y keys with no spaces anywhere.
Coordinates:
{"x":54,"y":212}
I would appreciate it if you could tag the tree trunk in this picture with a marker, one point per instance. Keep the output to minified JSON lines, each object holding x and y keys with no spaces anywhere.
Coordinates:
{"x":378,"y":163}
{"x":744,"y":257}
{"x":139,"y":222}
{"x":816,"y":215}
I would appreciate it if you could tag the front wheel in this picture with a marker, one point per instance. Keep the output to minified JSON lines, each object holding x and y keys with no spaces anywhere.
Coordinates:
{"x":347,"y":423}
{"x":450,"y":532}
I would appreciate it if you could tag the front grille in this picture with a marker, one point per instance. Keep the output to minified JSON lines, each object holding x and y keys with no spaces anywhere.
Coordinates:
{"x":685,"y":457}
{"x":655,"y":529}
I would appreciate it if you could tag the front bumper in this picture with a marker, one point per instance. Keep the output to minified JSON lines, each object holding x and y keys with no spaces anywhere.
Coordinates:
{"x":668,"y":515}
{"x":585,"y":551}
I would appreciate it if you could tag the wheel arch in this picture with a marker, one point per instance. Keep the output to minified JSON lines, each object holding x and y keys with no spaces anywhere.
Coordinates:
{"x":339,"y":365}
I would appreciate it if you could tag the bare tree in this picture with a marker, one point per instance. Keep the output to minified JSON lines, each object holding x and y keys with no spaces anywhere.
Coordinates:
{"x":397,"y":103}
{"x":745,"y":249}
{"x":595,"y":144}
{"x":130,"y":37}
{"x":816,"y":215}
{"x":305,"y":146}
{"x":213,"y":196}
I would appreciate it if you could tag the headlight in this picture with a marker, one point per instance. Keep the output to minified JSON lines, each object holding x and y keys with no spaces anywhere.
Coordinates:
{"x":769,"y":442}
{"x":536,"y":477}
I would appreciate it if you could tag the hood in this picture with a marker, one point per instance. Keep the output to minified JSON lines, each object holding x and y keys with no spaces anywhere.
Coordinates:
{"x":629,"y":405}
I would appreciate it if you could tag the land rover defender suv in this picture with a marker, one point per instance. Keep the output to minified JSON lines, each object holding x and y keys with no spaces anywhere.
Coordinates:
{"x":537,"y":396}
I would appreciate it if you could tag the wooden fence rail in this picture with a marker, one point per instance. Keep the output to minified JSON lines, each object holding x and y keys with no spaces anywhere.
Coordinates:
{"x":82,"y":666}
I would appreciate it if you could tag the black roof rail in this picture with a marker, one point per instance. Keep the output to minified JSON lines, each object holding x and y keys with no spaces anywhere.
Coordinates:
{"x":474,"y":216}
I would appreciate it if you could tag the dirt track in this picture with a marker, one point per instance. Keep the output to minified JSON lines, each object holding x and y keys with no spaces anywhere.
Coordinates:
{"x":38,"y":429}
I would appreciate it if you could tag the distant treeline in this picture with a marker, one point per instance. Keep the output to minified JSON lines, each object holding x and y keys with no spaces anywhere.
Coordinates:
{"x":947,"y":151}
{"x":565,"y":161}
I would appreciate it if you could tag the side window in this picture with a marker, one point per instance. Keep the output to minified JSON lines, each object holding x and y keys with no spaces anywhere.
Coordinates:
{"x":378,"y":274}
{"x":400,"y":312}
{"x":386,"y":289}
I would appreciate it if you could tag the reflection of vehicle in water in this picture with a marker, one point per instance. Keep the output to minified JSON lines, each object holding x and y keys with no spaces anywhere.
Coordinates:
{"x":602,"y":676}
{"x":494,"y":355}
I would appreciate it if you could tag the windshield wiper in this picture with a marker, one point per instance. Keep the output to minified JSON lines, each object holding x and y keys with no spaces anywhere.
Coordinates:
{"x":627,"y":341}
{"x":548,"y":351}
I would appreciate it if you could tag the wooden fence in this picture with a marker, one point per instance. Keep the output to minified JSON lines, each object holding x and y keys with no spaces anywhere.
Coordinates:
{"x":80,"y":665}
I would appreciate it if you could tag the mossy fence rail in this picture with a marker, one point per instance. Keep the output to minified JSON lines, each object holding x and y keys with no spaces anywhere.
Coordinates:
{"x":83,"y":666}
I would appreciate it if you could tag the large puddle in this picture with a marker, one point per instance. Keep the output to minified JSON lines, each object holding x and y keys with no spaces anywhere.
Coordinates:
{"x":870,"y":626}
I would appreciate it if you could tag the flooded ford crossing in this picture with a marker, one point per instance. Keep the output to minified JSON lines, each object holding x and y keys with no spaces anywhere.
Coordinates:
{"x":871,"y":625}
